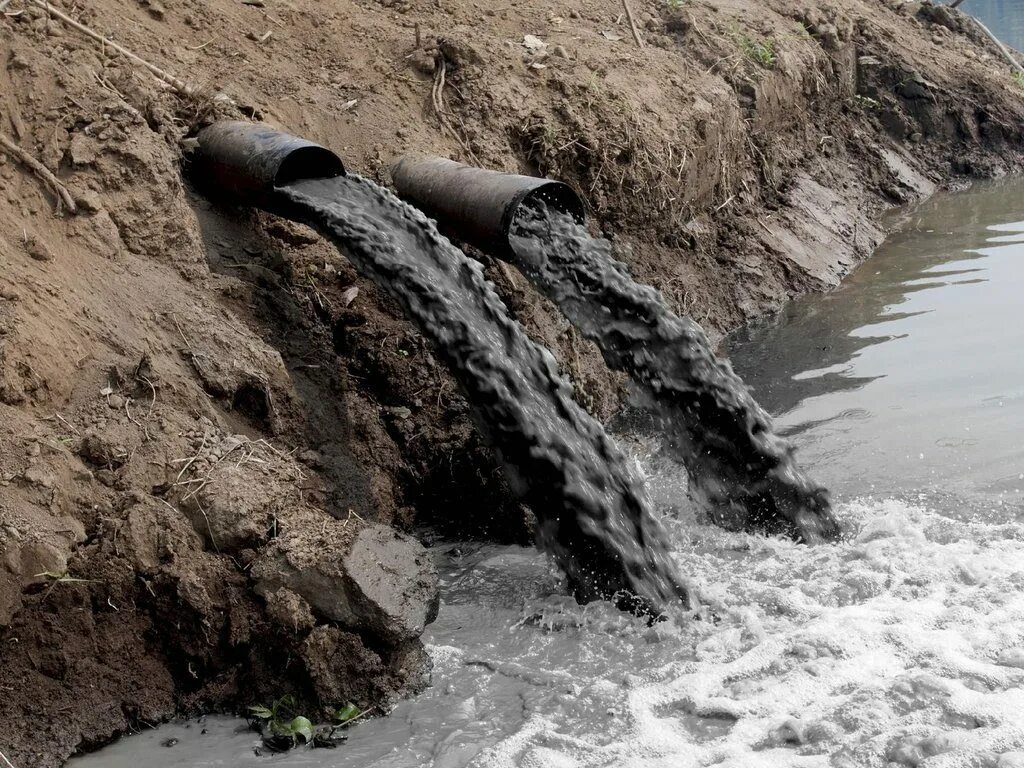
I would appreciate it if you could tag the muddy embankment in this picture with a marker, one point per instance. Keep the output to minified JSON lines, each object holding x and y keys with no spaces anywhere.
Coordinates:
{"x":215,"y":438}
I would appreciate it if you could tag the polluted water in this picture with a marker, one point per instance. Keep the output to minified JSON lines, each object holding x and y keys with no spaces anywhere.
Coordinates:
{"x":592,"y":510}
{"x":739,"y":469}
{"x":900,"y":645}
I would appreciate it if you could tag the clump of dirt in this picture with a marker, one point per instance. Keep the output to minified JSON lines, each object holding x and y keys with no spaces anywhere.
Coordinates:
{"x":214,"y":432}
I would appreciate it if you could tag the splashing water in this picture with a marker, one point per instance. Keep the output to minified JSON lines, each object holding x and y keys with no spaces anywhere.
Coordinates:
{"x":593,"y":512}
{"x":739,"y":468}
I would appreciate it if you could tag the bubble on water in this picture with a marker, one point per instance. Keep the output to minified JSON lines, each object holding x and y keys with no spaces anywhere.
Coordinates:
{"x":902,"y":644}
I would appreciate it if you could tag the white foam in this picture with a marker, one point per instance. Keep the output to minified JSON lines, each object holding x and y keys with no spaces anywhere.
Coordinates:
{"x":898,"y":645}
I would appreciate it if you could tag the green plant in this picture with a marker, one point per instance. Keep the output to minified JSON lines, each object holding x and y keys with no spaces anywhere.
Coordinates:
{"x":347,"y":714}
{"x":675,"y":5}
{"x":281,"y":725}
{"x":1018,"y":78}
{"x":761,"y":52}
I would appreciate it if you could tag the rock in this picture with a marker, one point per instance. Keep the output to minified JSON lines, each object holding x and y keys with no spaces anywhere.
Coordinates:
{"x":395,"y":583}
{"x":38,"y":250}
{"x":40,"y":477}
{"x":913,"y":89}
{"x":383,"y":583}
{"x":102,"y":450}
{"x":89,"y":201}
{"x":534,"y":44}
{"x":83,"y":150}
{"x":235,"y":509}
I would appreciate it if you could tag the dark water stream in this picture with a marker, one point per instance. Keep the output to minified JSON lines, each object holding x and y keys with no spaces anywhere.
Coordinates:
{"x":593,"y":512}
{"x":739,"y":469}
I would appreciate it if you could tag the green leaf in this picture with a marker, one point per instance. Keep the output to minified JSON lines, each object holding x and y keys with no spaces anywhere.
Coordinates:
{"x":346,"y":713}
{"x":301,"y":726}
{"x":261,"y":713}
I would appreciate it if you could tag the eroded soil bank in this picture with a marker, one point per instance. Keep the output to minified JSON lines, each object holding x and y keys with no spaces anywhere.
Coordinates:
{"x":215,"y":439}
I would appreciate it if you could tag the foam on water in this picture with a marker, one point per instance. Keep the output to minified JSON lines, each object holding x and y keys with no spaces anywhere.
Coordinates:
{"x":902,"y":644}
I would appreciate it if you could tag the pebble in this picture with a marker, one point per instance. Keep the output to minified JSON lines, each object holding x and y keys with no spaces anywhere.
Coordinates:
{"x":89,"y":201}
{"x":116,"y":402}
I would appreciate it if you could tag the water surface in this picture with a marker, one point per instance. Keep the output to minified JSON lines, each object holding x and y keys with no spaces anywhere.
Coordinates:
{"x":911,"y":375}
{"x":1004,"y":17}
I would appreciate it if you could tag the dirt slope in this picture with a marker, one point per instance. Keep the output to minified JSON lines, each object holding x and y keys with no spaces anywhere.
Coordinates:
{"x":207,"y":433}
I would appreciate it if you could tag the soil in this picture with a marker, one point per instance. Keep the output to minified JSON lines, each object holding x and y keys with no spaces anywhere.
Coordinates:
{"x":216,"y":440}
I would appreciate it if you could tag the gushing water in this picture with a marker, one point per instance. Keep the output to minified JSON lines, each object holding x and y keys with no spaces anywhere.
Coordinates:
{"x":593,"y":512}
{"x":739,"y":468}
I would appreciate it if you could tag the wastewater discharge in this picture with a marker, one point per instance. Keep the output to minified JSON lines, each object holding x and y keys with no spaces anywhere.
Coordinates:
{"x":740,"y":470}
{"x":593,"y":513}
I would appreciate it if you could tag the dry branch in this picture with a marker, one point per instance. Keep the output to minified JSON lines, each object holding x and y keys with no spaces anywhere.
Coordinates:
{"x":40,"y":170}
{"x":632,"y":24}
{"x":1002,"y":48}
{"x":178,"y":85}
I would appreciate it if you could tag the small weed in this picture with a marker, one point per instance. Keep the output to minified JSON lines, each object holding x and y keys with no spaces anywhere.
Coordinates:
{"x":282,"y":727}
{"x":347,"y":714}
{"x":761,"y":52}
{"x":1018,"y":78}
{"x":280,"y":724}
{"x":675,"y":5}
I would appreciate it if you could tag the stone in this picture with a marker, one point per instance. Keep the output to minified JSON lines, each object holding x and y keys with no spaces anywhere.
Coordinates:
{"x":38,"y":250}
{"x":102,"y":450}
{"x":89,"y":201}
{"x":395,"y":583}
{"x":83,"y":150}
{"x":383,"y":583}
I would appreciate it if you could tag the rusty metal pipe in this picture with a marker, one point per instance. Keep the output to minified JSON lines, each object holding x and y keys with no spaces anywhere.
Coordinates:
{"x":474,"y":204}
{"x":247,"y":162}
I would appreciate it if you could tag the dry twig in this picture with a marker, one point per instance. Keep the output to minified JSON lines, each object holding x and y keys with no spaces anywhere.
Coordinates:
{"x":1002,"y":48}
{"x":178,"y":85}
{"x":437,"y":97}
{"x":44,"y":173}
{"x":3,"y":757}
{"x":632,"y":24}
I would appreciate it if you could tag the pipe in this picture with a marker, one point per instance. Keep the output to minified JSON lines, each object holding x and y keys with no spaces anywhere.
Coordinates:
{"x":247,"y":162}
{"x":476,"y":204}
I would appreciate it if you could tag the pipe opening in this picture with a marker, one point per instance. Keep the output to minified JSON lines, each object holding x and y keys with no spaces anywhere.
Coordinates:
{"x":309,"y":162}
{"x":557,"y":196}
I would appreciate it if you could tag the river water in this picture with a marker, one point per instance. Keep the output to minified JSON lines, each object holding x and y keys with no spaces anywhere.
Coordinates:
{"x":1004,"y":17}
{"x":902,"y":644}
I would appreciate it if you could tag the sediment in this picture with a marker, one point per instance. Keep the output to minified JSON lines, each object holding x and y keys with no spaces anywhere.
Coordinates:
{"x":210,"y":421}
